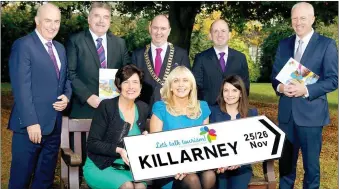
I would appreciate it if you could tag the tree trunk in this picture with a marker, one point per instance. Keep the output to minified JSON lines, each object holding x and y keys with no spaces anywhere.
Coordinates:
{"x":182,"y":17}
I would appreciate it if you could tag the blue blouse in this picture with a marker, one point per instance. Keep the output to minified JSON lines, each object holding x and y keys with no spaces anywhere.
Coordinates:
{"x":217,"y":115}
{"x":171,"y":122}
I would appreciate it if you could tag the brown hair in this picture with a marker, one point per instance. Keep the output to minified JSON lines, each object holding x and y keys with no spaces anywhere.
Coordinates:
{"x":100,"y":5}
{"x":125,"y":73}
{"x":238,"y":83}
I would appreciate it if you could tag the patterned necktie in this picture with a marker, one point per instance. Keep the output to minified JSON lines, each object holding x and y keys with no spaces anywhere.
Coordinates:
{"x":158,"y":61}
{"x":222,"y":61}
{"x":298,"y":53}
{"x":51,"y":54}
{"x":101,"y":53}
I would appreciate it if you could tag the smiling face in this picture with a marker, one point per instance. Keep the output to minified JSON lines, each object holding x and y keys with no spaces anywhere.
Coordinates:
{"x":159,"y":30}
{"x":48,"y":21}
{"x":302,"y":19}
{"x":181,"y":86}
{"x":99,"y":21}
{"x":130,"y":88}
{"x":231,"y":94}
{"x":219,"y":33}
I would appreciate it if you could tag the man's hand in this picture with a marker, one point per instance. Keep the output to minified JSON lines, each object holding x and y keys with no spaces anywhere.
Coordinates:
{"x":297,"y":89}
{"x":34,"y":133}
{"x":62,"y":104}
{"x":286,"y":89}
{"x":234,"y":167}
{"x":94,"y":101}
{"x":123,"y":154}
{"x":220,"y":170}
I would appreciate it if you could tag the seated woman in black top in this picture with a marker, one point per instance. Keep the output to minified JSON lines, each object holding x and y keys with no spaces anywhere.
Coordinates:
{"x":232,"y":104}
{"x":107,"y":163}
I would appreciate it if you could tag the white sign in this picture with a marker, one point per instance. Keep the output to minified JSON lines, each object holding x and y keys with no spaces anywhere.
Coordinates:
{"x":107,"y":88}
{"x":236,"y":142}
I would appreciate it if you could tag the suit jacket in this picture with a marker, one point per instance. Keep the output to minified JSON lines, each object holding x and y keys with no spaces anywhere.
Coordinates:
{"x":35,"y":85}
{"x":209,"y":75}
{"x":83,"y":63}
{"x":150,"y":92}
{"x":321,"y":57}
{"x":105,"y":131}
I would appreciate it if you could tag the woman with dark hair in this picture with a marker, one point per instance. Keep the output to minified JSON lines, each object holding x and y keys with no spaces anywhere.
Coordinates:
{"x":232,"y":104}
{"x":107,"y":165}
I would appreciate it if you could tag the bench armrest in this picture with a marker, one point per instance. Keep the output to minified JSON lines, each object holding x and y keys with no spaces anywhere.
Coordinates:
{"x":70,"y":158}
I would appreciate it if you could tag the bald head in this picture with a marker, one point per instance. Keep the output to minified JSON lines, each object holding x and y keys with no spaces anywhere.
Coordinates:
{"x":46,"y":7}
{"x":303,"y":5}
{"x":161,"y":18}
{"x":47,"y":21}
{"x":219,"y":22}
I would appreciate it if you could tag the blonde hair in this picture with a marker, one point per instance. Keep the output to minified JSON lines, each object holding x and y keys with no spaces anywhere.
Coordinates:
{"x":193,"y":110}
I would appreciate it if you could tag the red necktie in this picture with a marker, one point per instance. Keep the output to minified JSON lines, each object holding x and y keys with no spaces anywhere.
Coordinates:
{"x":51,"y":54}
{"x":158,"y":61}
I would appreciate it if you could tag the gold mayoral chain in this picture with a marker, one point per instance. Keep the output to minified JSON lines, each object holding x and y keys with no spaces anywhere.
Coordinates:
{"x":168,"y":67}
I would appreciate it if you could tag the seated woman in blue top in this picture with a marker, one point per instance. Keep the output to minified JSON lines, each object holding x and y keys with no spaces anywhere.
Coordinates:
{"x":178,"y":109}
{"x":107,"y":163}
{"x":232,"y":104}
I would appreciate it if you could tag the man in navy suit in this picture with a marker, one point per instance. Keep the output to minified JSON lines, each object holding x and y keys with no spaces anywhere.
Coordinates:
{"x":303,"y":110}
{"x":211,"y":66}
{"x":38,"y":70}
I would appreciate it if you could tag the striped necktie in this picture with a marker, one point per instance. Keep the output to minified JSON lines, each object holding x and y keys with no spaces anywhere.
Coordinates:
{"x":51,"y":54}
{"x":101,"y":53}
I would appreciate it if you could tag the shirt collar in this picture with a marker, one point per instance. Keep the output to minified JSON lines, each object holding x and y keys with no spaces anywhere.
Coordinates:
{"x":306,"y":39}
{"x":225,"y":50}
{"x":164,"y":47}
{"x":95,"y":37}
{"x":43,"y":40}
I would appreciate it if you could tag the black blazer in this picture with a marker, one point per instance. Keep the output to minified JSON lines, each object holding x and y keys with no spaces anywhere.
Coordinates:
{"x":150,"y":92}
{"x":209,"y":76}
{"x":218,"y":116}
{"x":83,"y":65}
{"x":106,"y":128}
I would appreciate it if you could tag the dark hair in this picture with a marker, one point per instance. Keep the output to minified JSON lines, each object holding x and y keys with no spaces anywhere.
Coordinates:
{"x":100,"y":5}
{"x":125,"y":73}
{"x":238,"y":83}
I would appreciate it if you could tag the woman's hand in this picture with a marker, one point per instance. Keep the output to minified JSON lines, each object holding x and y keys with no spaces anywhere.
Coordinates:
{"x":180,"y":176}
{"x":221,"y":170}
{"x":145,"y":133}
{"x":123,"y":154}
{"x":231,"y":168}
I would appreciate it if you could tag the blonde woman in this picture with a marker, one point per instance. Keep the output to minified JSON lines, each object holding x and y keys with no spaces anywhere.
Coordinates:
{"x":180,"y":108}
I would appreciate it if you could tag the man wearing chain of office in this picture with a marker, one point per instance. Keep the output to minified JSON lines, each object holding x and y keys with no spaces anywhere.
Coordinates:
{"x":158,"y":59}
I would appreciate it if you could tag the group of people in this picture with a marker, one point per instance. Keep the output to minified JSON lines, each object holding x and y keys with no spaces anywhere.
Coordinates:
{"x":157,"y":82}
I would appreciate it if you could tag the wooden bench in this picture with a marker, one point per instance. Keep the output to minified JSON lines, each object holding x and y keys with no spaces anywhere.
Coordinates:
{"x":71,"y":161}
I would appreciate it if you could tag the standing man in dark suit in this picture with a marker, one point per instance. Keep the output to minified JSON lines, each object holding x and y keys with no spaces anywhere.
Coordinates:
{"x":158,"y":59}
{"x":303,"y":110}
{"x":38,"y":71}
{"x":211,"y":66}
{"x":87,"y":52}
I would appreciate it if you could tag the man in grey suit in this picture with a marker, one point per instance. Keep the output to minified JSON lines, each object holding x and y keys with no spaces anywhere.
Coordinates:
{"x":87,"y":52}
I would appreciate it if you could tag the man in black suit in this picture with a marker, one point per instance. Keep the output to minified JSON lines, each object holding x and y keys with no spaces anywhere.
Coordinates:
{"x":87,"y":52}
{"x":211,"y":66}
{"x":158,"y":59}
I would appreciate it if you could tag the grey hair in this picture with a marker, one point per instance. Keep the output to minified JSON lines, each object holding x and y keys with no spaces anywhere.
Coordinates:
{"x":306,"y":5}
{"x":38,"y":13}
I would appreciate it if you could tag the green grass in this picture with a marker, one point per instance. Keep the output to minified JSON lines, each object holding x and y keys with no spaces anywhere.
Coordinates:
{"x":6,"y":87}
{"x":263,"y":92}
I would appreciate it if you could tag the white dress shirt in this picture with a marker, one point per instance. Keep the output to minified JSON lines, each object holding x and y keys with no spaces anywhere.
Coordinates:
{"x":162,"y":54}
{"x":44,"y":41}
{"x":225,"y":50}
{"x":104,"y":42}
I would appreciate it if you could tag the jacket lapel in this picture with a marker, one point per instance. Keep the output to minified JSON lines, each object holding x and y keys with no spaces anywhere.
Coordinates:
{"x":229,"y":61}
{"x":44,"y":52}
{"x":150,"y":57}
{"x":62,"y":60}
{"x":214,"y":59}
{"x":91,"y":46}
{"x":310,"y":49}
{"x":112,"y":53}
